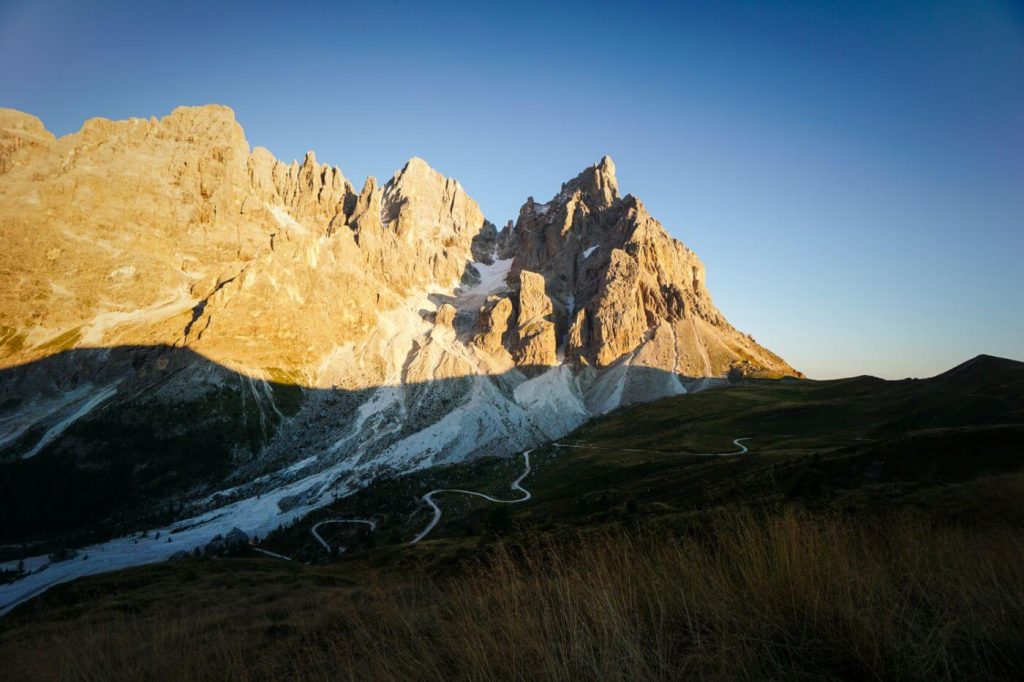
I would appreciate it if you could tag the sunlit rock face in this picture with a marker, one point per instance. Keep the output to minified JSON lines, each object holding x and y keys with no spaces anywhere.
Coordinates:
{"x":224,"y":321}
{"x":624,"y":290}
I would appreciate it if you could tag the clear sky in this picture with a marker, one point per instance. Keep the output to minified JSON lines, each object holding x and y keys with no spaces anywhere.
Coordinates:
{"x":851,"y":173}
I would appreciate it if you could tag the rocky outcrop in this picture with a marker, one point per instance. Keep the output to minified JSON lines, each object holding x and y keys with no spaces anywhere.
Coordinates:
{"x":485,"y":244}
{"x":418,"y":229}
{"x":311,"y":194}
{"x":535,"y":344}
{"x":23,"y":134}
{"x":494,"y":318}
{"x":113,"y":234}
{"x":234,"y":542}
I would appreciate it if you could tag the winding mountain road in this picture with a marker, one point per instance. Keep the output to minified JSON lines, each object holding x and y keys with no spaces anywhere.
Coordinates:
{"x":318,"y":538}
{"x":737,"y":441}
{"x":516,"y":485}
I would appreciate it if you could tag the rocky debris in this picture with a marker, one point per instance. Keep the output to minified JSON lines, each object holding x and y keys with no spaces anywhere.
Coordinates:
{"x":535,"y":343}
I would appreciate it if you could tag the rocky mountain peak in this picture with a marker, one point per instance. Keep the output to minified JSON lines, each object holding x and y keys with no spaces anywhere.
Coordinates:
{"x":620,"y":283}
{"x":597,"y":185}
{"x":20,"y":131}
{"x":415,"y":166}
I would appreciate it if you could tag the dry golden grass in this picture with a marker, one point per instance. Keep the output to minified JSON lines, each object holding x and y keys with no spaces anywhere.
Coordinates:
{"x":787,"y":596}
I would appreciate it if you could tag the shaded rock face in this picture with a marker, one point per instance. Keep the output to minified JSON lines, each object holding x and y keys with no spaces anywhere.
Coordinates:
{"x":179,"y":292}
{"x":485,"y":244}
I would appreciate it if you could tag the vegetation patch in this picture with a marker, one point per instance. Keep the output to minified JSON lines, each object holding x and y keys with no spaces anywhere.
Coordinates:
{"x":746,"y":596}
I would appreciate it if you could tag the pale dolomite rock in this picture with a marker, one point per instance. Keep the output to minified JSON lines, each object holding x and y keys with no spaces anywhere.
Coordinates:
{"x":23,"y":134}
{"x":418,"y":229}
{"x":282,"y":262}
{"x":535,"y":344}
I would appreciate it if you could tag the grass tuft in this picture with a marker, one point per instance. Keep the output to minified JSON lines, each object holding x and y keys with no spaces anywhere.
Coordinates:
{"x":746,"y":596}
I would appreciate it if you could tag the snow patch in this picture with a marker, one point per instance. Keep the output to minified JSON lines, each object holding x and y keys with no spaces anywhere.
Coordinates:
{"x":492,"y":280}
{"x":123,"y":272}
{"x":587,"y":252}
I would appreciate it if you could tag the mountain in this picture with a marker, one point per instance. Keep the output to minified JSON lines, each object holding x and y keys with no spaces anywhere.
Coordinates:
{"x":208,"y":337}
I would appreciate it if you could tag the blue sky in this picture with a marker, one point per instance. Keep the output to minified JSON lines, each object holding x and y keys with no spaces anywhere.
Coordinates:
{"x":853,"y":176}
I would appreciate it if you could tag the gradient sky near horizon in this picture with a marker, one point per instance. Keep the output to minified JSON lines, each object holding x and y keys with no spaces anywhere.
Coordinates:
{"x":852,"y":174}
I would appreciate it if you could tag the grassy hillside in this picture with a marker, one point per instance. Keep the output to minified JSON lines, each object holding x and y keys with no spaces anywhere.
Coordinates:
{"x":751,"y":597}
{"x":873,"y":530}
{"x":860,"y":446}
